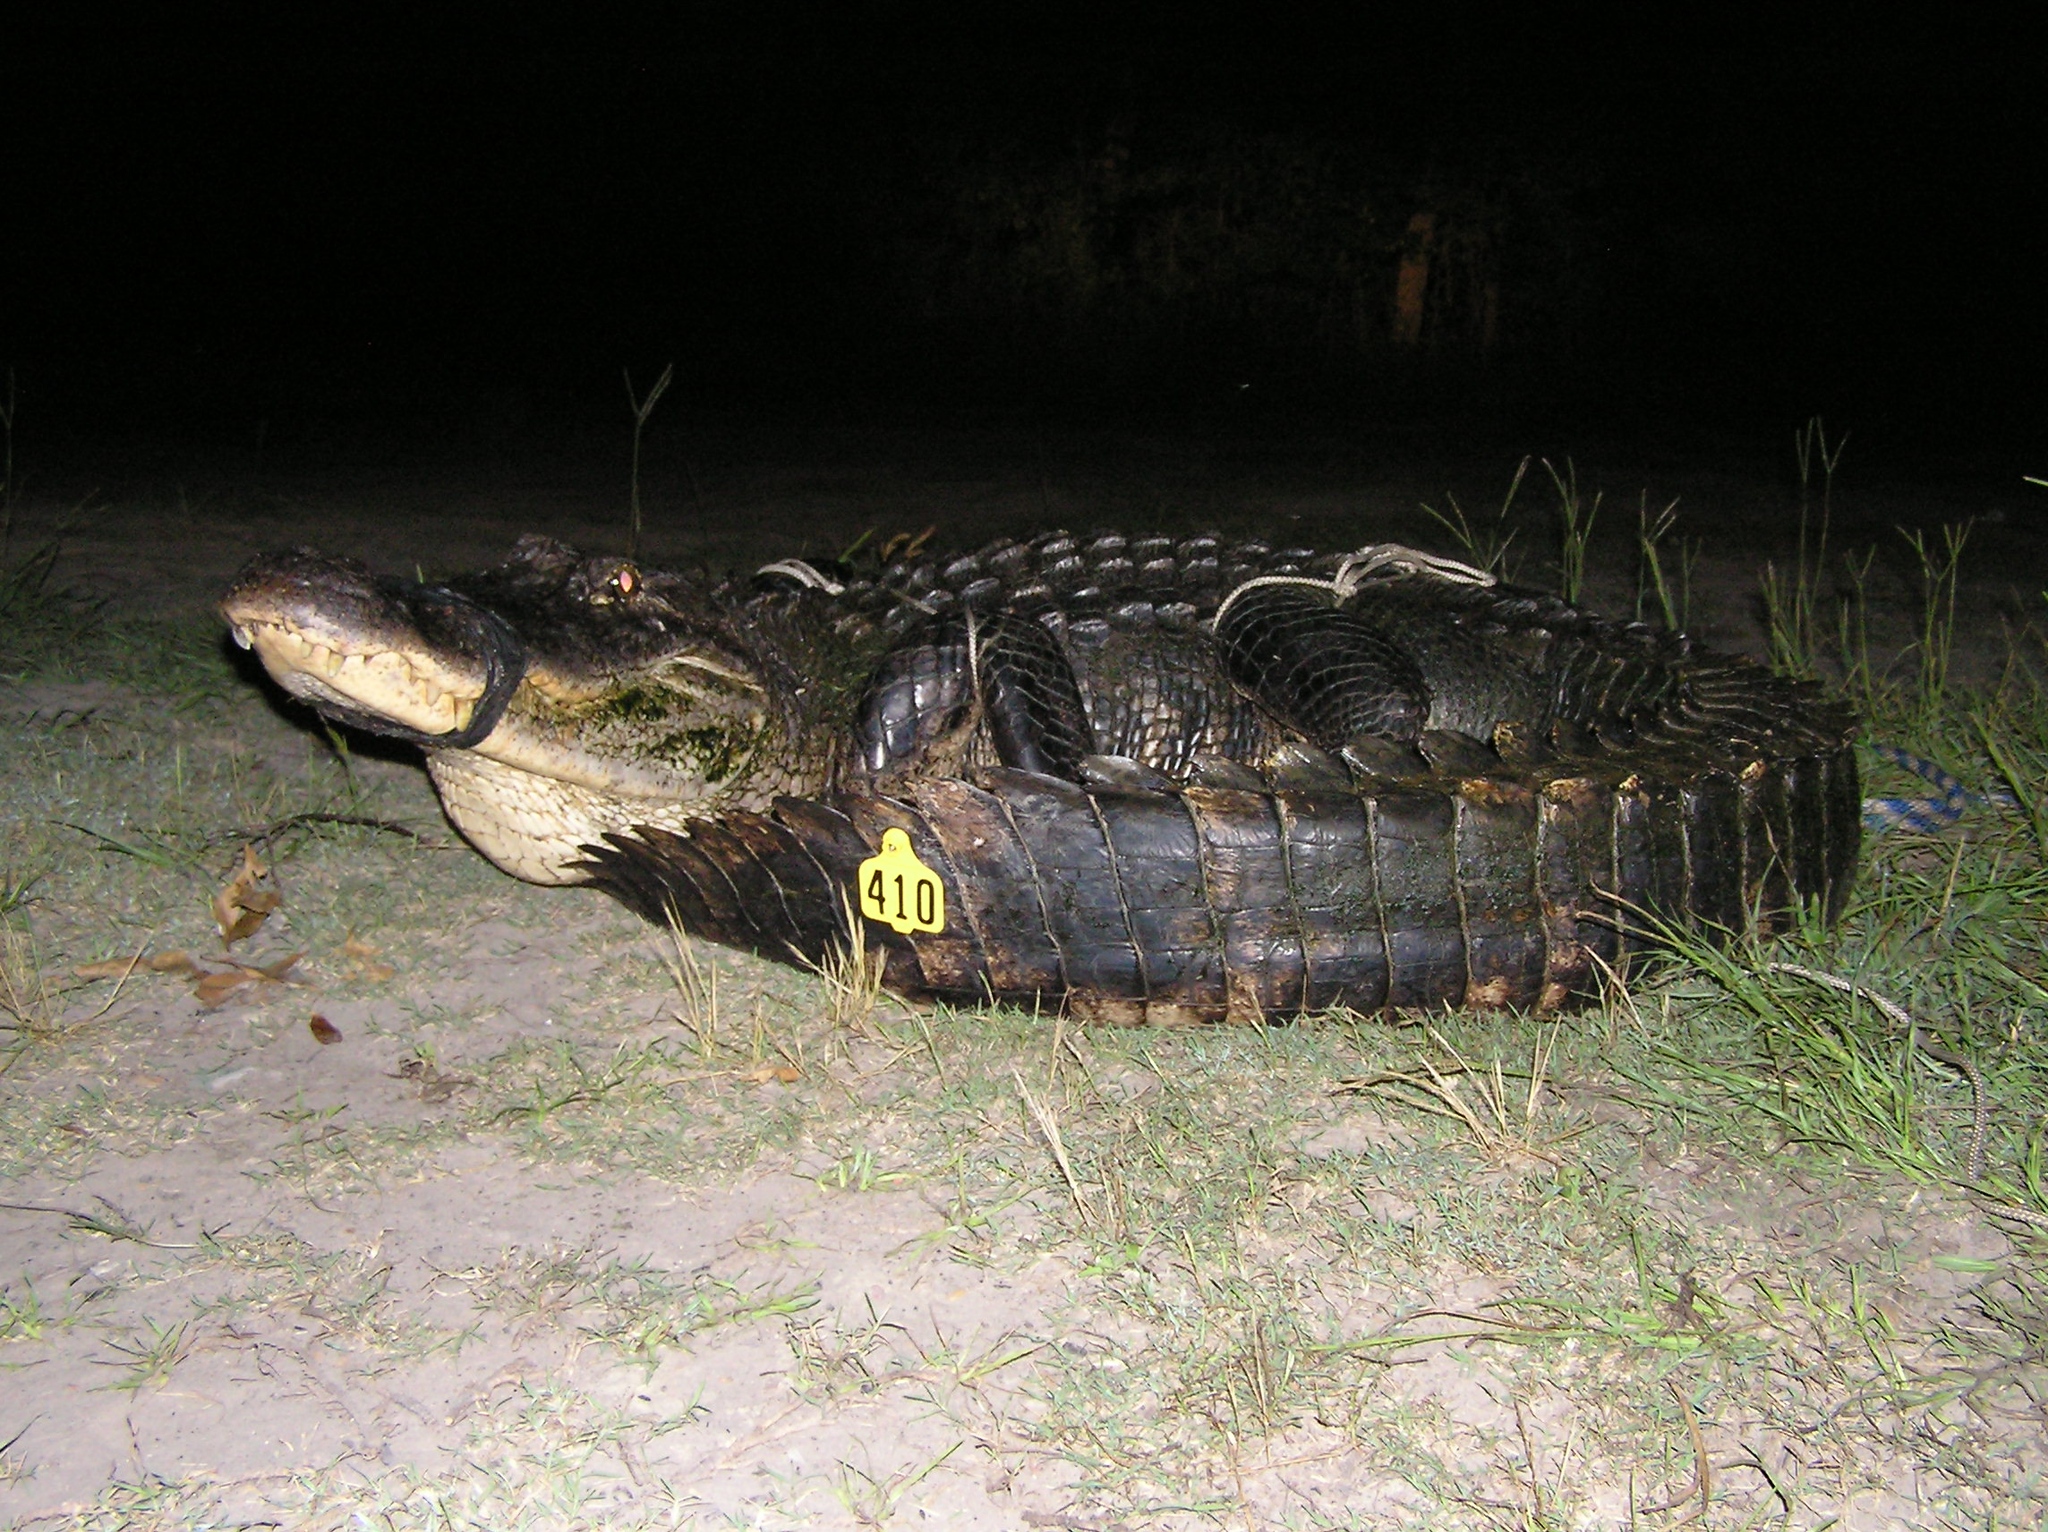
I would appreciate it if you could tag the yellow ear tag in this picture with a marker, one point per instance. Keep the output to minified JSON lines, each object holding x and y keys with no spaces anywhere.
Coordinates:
{"x":899,"y":890}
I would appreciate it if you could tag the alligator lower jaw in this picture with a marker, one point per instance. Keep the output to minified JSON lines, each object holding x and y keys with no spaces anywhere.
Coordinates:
{"x":414,"y":693}
{"x":536,"y":826}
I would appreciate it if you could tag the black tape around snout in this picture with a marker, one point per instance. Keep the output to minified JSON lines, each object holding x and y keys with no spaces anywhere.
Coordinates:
{"x":504,"y":668}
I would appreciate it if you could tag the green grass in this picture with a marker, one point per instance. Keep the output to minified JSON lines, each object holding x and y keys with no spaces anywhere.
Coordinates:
{"x":633,"y":1306}
{"x":53,"y":632}
{"x":1796,"y":599}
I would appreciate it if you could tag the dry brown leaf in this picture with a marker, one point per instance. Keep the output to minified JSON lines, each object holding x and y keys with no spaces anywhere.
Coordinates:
{"x":112,"y":968}
{"x":904,"y":546}
{"x":213,"y":988}
{"x":356,"y":947}
{"x":242,"y":905}
{"x":244,"y":926}
{"x":140,"y":961}
{"x":323,"y":1030}
{"x":781,"y":1074}
{"x":177,"y":961}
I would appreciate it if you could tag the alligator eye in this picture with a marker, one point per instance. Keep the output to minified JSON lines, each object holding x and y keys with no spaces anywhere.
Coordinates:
{"x":624,"y":581}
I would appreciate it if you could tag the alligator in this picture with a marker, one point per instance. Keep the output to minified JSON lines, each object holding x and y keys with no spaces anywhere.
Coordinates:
{"x":1147,"y":778}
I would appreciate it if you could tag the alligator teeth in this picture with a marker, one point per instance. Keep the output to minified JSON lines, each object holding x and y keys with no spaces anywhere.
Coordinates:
{"x":326,"y":661}
{"x":243,"y":639}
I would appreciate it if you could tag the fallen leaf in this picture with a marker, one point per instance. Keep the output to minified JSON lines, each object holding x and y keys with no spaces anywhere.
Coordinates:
{"x":242,"y":905}
{"x":355,"y":946}
{"x":213,"y":988}
{"x":112,"y":968}
{"x":244,"y":926}
{"x":323,"y":1030}
{"x":177,"y":961}
{"x":904,"y":546}
{"x":781,"y":1074}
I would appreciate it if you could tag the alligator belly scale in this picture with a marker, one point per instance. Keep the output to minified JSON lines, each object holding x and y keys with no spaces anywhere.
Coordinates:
{"x":1143,"y":778}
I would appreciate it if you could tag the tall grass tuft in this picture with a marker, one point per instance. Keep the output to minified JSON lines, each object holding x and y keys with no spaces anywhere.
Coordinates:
{"x":36,"y":619}
{"x":1937,"y":612}
{"x":29,"y":1002}
{"x":1930,"y":1056}
{"x":852,"y":973}
{"x":1486,"y":544}
{"x":1860,"y":677}
{"x":696,"y":986}
{"x":1792,"y":601}
{"x":1575,"y":517}
{"x":1673,"y":589}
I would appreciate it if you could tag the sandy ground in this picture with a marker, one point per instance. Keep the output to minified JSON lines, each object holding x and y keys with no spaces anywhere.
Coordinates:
{"x":428,"y":1275}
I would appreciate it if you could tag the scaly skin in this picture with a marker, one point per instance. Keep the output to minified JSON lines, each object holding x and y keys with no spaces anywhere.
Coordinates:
{"x":1299,"y":888}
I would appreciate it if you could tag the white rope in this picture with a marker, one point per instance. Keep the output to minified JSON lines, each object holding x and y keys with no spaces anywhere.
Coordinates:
{"x":1253,"y":584}
{"x":974,"y":655}
{"x":803,"y":574}
{"x":1354,"y":569}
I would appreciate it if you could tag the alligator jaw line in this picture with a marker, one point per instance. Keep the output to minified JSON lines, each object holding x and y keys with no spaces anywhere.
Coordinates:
{"x":383,"y":681}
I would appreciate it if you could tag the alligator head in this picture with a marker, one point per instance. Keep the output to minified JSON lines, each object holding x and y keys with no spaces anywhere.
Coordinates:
{"x":557,"y":696}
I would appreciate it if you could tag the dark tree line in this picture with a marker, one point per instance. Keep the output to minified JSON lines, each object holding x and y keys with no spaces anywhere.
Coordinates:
{"x":1202,"y":242}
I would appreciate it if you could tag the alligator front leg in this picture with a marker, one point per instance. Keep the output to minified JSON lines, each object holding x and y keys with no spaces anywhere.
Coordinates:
{"x":1319,"y":668}
{"x":1003,"y":671}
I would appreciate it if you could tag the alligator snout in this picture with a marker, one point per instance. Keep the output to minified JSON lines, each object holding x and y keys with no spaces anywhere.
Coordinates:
{"x":384,"y":656}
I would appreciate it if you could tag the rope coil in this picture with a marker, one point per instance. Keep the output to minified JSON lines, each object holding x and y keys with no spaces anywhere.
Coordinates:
{"x":1354,"y":569}
{"x":804,"y":574}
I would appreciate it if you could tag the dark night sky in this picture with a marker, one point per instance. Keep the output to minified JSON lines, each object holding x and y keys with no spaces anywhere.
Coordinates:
{"x":200,"y":231}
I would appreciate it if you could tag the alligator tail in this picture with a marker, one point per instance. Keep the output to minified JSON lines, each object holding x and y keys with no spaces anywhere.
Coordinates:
{"x":1196,"y":904}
